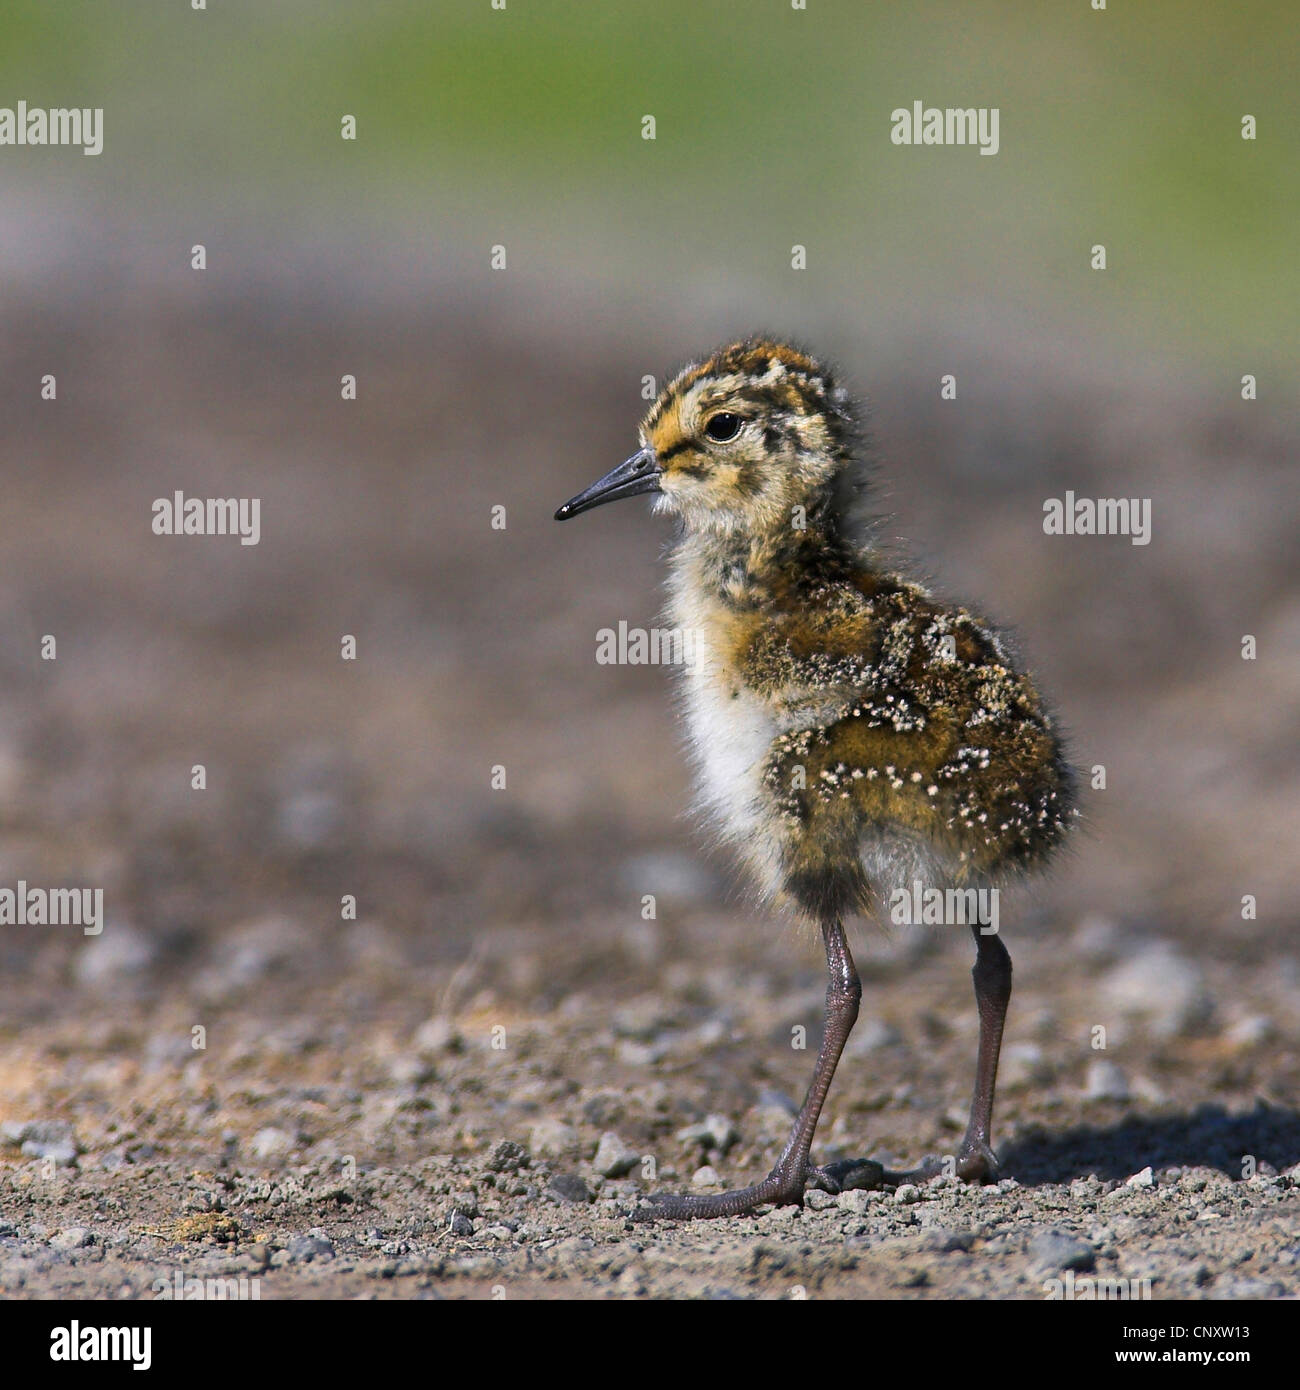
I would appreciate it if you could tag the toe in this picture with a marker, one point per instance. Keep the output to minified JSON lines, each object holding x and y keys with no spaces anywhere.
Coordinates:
{"x":846,"y":1174}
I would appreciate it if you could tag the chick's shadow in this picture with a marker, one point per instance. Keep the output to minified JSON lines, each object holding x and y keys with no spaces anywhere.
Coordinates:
{"x":1207,"y":1137}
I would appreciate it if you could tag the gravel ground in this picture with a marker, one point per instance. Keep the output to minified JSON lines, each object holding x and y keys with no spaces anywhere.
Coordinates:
{"x":460,"y":1090}
{"x":490,"y":1147}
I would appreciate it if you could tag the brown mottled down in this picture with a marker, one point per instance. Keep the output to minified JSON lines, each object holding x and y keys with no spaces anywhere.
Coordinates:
{"x":852,"y":734}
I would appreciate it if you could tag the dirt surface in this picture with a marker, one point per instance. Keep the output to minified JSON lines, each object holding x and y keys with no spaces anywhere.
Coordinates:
{"x":409,"y":1104}
{"x":354,"y":1158}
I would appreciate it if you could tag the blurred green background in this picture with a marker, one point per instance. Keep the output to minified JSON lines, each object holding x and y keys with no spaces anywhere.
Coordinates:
{"x":522,"y":126}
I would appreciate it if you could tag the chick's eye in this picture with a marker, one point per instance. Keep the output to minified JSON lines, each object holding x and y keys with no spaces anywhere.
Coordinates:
{"x":723,"y":427}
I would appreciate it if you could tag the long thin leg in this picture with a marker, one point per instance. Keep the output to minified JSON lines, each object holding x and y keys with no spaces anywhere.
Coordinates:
{"x":784,"y":1185}
{"x":976,"y":1161}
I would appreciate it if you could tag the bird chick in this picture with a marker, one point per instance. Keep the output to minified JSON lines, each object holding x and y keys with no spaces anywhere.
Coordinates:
{"x":852,"y":736}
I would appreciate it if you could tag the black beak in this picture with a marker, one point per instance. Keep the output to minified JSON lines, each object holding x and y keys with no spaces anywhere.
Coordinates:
{"x":638,"y":474}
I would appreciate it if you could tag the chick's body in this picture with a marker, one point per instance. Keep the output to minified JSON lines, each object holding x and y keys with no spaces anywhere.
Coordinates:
{"x":852,"y":736}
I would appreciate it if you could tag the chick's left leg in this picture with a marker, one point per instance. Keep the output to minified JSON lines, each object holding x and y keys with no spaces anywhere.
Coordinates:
{"x":784,"y":1185}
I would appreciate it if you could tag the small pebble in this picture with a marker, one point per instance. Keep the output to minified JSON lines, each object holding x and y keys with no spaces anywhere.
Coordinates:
{"x":508,"y":1157}
{"x":945,"y":1241}
{"x":316,"y":1245}
{"x":272,"y":1142}
{"x":1251,"y":1031}
{"x":410,"y":1069}
{"x":71,"y":1238}
{"x":604,"y":1110}
{"x":713,"y":1132}
{"x":1022,"y":1065}
{"x":1105,"y":1082}
{"x":613,"y":1157}
{"x":569,"y":1187}
{"x":1051,"y":1251}
{"x":872,"y":1035}
{"x":62,"y":1151}
{"x":770,"y":1099}
{"x":120,"y":951}
{"x":438,"y":1034}
{"x":1162,"y":983}
{"x":552,"y":1139}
